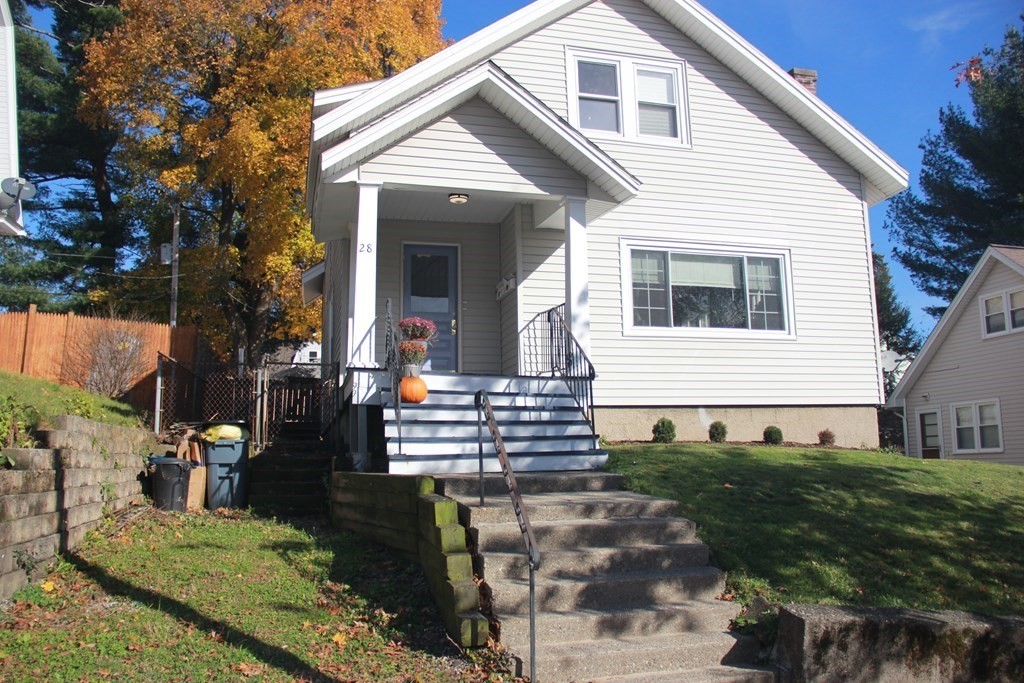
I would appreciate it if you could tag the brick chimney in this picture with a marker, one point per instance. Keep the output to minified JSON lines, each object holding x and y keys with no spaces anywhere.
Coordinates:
{"x":807,"y":78}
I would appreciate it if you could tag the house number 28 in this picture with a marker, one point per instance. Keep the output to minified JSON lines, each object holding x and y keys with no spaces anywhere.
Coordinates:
{"x":366,"y":248}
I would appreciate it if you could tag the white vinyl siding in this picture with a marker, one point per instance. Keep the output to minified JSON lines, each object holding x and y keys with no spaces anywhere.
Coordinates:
{"x":479,"y":343}
{"x":966,"y":370}
{"x":475,"y":148}
{"x":751,"y":176}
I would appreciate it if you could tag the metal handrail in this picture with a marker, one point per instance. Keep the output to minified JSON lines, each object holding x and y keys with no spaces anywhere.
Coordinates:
{"x":570,"y":362}
{"x":484,"y":411}
{"x":392,"y":364}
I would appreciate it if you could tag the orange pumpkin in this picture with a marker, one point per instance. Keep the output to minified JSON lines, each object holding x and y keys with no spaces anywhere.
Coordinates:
{"x":413,"y":390}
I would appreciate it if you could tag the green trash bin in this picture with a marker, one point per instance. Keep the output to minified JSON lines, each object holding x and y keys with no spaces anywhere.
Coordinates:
{"x":227,"y":471}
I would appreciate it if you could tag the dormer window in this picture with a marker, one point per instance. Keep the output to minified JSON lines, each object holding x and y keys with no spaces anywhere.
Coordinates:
{"x":1002,"y":313}
{"x":628,"y":97}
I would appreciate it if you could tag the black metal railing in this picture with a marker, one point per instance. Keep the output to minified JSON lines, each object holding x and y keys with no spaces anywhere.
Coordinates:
{"x":549,"y":348}
{"x":485,"y":413}
{"x":392,"y":363}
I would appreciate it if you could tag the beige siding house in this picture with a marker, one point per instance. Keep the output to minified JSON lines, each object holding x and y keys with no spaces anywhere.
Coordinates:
{"x":963,"y":396}
{"x":632,"y":171}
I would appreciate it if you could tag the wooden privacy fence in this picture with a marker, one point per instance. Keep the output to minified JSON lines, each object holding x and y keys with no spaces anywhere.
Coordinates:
{"x":53,"y":346}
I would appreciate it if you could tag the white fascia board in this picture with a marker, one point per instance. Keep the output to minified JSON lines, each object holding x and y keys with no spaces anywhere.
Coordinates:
{"x":10,"y":83}
{"x":493,"y":86}
{"x":942,"y":328}
{"x":418,"y":78}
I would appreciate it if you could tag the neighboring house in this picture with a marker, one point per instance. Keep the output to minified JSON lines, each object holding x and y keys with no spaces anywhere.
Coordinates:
{"x":696,"y":216}
{"x":307,"y":353}
{"x":10,"y":211}
{"x":963,"y":396}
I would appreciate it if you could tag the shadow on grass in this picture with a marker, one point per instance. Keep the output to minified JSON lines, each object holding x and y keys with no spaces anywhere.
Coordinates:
{"x":857,"y":529}
{"x":273,"y":656}
{"x":391,"y":585}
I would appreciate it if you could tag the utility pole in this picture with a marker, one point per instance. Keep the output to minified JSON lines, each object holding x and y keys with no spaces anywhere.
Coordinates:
{"x":174,"y":265}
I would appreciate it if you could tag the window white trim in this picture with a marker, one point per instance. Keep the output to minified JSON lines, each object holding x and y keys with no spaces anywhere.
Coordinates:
{"x":629,"y":102}
{"x":937,"y":410}
{"x":1007,"y":313}
{"x":627,"y":245}
{"x":975,"y":425}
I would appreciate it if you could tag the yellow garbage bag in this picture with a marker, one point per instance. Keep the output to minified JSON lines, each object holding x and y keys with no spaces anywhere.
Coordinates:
{"x":224,"y":433}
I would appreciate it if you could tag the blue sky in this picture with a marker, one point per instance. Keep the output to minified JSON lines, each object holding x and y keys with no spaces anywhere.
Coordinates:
{"x":882,"y":65}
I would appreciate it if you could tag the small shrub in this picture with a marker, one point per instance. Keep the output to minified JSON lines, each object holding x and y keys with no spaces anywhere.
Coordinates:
{"x":81,"y":405}
{"x":717,"y":432}
{"x":664,"y":431}
{"x":826,"y":438}
{"x":772,"y":435}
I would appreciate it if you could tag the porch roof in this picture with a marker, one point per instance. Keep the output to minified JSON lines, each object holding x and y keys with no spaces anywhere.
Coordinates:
{"x":490,"y":84}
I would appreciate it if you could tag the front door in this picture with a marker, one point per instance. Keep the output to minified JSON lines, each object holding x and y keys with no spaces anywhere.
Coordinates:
{"x":430,"y":277}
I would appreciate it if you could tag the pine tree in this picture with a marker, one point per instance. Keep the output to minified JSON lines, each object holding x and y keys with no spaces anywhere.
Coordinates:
{"x":972,"y":178}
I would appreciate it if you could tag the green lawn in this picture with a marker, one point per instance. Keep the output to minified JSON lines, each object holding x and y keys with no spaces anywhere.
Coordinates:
{"x":214,"y":598}
{"x":846,"y":527}
{"x":42,"y":399}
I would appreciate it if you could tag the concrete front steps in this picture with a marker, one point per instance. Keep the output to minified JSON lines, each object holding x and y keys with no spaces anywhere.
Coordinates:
{"x":624,"y":593}
{"x":290,"y":479}
{"x":541,"y":424}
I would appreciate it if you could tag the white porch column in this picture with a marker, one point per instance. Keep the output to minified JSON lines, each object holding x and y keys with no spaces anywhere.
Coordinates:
{"x":577,"y":275}
{"x":363,"y":278}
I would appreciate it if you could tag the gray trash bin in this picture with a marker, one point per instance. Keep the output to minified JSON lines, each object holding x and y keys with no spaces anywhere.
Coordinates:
{"x":227,"y":470}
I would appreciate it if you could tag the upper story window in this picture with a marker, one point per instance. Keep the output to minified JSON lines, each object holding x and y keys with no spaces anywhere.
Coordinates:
{"x":1002,"y":312}
{"x":627,"y":97}
{"x":711,"y":291}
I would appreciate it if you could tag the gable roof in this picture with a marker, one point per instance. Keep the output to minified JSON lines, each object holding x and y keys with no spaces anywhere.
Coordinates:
{"x":1012,"y":257}
{"x":881,"y":171}
{"x":492,"y":85}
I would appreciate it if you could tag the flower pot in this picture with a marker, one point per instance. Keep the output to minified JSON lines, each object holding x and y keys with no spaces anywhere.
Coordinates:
{"x":411,"y":370}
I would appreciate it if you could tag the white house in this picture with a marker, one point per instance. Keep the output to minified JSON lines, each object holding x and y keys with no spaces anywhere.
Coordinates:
{"x":963,"y":396}
{"x":695,"y":215}
{"x":10,"y":212}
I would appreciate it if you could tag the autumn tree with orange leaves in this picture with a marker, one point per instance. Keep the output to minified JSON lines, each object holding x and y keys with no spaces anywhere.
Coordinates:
{"x":215,"y":97}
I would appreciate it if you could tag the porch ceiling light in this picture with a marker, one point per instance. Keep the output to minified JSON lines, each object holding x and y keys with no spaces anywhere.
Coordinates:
{"x":458,"y":198}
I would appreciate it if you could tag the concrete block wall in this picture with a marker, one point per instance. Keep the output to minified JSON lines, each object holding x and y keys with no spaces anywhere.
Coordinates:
{"x":405,"y":513}
{"x":54,"y":495}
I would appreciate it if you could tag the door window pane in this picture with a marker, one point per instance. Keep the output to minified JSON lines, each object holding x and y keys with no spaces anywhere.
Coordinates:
{"x":428,"y":283}
{"x":929,"y":430}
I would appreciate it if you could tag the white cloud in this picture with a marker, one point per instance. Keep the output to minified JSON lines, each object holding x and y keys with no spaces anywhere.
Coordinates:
{"x":949,"y":19}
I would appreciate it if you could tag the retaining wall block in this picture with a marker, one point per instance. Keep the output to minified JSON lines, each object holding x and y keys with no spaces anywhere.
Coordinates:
{"x":23,"y":530}
{"x":823,"y":643}
{"x":13,"y":481}
{"x":39,"y":549}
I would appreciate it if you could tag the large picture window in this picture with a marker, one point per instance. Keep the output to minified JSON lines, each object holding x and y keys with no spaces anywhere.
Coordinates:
{"x":675,"y":288}
{"x":976,"y":427}
{"x":628,"y":97}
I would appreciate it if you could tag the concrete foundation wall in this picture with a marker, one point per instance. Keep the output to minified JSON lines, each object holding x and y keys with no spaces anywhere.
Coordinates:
{"x":405,"y":513}
{"x":854,"y":426}
{"x":53,"y":496}
{"x":823,"y":643}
